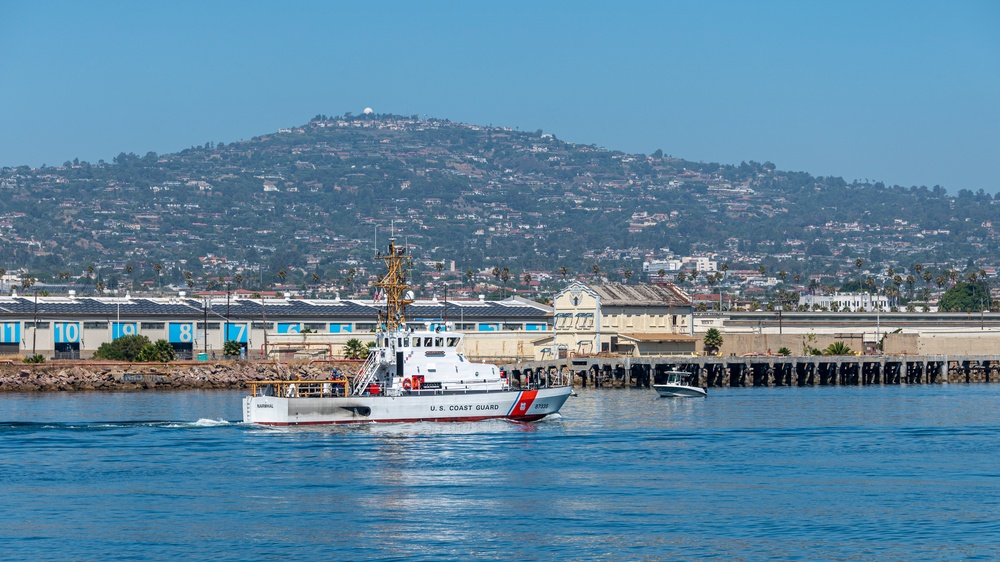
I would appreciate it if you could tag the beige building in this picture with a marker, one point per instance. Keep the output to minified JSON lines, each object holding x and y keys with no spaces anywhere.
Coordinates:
{"x":618,"y":319}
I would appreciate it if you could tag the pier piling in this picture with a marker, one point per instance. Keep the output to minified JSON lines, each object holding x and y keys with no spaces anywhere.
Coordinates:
{"x":764,"y":371}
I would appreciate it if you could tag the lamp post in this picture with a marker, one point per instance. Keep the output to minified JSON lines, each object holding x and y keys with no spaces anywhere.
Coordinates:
{"x":263,"y":315}
{"x":34,"y":330}
{"x":878,"y":322}
{"x":226,"y":337}
{"x":204,"y":328}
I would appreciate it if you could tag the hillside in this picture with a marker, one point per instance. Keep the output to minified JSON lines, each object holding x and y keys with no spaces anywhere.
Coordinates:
{"x":306,"y":201}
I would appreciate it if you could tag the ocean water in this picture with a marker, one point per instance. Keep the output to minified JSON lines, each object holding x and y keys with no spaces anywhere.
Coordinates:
{"x":875,"y":473}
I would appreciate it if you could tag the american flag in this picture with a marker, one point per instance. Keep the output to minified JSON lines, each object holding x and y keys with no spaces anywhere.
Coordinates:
{"x":379,"y":295}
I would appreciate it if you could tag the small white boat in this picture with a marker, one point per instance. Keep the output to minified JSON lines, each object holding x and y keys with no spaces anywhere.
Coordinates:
{"x":677,"y":384}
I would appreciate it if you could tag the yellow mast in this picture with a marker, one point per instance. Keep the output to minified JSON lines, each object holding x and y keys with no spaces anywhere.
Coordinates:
{"x":393,"y":284}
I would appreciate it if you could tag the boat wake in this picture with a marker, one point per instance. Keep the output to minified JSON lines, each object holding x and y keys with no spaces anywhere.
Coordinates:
{"x":15,"y":427}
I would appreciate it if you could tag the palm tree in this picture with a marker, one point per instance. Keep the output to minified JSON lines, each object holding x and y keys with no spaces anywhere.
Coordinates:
{"x":628,"y":275}
{"x":282,"y":274}
{"x":439,"y":266}
{"x":355,"y":349}
{"x":858,"y":263}
{"x":563,"y":270}
{"x":470,"y":275}
{"x":712,"y":278}
{"x":239,"y":280}
{"x":661,"y":274}
{"x":596,"y":269}
{"x":837,"y":348}
{"x":128,"y":272}
{"x":813,"y":286}
{"x":713,"y":341}
{"x":762,"y":270}
{"x":157,"y":267}
{"x":527,"y":280}
{"x":505,"y":276}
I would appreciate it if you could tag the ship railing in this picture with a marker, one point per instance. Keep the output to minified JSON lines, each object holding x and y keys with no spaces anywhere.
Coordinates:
{"x":366,"y":375}
{"x":336,"y":386}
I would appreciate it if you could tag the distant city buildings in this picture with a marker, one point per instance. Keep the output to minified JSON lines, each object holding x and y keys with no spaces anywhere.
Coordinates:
{"x":852,"y":302}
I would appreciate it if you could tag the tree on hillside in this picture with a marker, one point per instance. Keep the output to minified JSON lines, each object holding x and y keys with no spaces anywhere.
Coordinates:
{"x":965,"y":297}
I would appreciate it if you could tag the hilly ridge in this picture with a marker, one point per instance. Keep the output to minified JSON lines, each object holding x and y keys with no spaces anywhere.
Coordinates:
{"x":306,"y":201}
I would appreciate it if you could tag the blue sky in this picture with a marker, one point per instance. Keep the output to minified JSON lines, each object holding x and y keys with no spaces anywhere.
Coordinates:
{"x":902,"y":92}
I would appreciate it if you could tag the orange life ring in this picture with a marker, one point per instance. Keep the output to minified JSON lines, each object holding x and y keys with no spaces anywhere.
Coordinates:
{"x":406,"y":384}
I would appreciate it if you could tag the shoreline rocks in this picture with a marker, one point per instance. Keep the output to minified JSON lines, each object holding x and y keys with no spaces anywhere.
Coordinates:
{"x":131,"y":377}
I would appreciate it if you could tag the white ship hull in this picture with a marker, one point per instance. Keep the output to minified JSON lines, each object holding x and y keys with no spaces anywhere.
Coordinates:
{"x":520,"y":405}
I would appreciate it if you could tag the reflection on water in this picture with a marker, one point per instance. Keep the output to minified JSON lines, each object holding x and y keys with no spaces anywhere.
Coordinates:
{"x":811,"y":473}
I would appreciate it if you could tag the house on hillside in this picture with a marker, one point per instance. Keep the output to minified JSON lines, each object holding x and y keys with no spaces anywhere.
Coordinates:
{"x":631,"y":320}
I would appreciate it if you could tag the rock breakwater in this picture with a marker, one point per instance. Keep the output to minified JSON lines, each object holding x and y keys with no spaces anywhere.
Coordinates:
{"x":115,"y":377}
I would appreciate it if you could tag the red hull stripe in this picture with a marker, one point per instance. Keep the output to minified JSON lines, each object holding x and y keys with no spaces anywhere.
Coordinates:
{"x":523,"y":403}
{"x":533,"y":417}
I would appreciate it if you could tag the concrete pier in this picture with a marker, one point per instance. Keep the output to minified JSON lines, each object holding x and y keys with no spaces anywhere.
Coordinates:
{"x":769,"y":371}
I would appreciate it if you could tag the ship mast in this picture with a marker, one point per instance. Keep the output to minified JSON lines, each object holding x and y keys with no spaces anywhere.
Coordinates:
{"x":393,"y":284}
